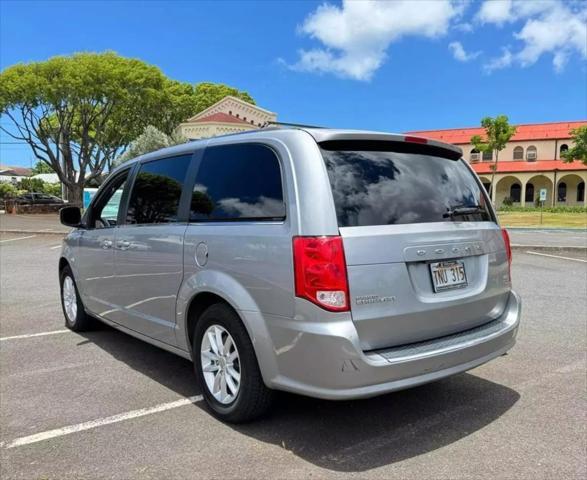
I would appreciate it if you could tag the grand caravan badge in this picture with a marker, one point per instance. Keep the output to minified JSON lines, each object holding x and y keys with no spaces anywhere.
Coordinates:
{"x":368,"y":299}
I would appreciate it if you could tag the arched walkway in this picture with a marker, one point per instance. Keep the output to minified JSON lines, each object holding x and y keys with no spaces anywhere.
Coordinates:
{"x":508,"y":187}
{"x":569,"y":190}
{"x":486,"y":181}
{"x":539,"y":182}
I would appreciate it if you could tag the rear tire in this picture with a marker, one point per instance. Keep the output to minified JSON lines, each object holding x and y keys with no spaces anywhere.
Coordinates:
{"x":76,"y":318}
{"x":227,"y":368}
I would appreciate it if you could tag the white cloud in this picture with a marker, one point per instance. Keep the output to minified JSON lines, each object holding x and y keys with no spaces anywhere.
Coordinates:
{"x":355,"y":36}
{"x":458,"y":51}
{"x":550,"y":27}
{"x":505,"y":60}
{"x":495,"y":11}
{"x":464,"y":27}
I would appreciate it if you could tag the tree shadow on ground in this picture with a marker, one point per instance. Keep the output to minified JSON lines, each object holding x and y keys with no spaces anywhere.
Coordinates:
{"x":349,"y":436}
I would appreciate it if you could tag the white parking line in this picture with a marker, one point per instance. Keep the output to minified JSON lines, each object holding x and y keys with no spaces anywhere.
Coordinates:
{"x":557,"y":256}
{"x":15,"y":239}
{"x":31,"y":335}
{"x":121,"y":417}
{"x":56,"y":246}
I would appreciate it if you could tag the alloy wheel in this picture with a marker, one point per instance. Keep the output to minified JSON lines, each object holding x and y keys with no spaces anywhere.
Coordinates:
{"x":69,"y":299}
{"x":220,"y":363}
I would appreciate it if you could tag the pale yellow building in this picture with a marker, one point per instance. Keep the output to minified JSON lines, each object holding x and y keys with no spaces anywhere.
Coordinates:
{"x":530,"y":162}
{"x":229,"y":115}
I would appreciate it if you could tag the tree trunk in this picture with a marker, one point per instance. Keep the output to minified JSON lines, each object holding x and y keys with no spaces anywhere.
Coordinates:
{"x":75,"y":194}
{"x":493,"y":170}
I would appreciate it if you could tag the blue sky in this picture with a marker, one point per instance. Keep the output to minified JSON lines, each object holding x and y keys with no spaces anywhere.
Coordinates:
{"x":393,"y":66}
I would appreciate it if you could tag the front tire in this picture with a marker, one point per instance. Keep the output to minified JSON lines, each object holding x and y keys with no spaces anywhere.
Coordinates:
{"x":227,"y":368}
{"x":76,"y":318}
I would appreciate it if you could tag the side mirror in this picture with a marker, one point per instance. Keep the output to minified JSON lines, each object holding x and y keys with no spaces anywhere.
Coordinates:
{"x":70,"y":216}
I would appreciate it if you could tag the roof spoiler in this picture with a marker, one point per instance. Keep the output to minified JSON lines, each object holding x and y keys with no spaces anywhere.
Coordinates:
{"x":372,"y":141}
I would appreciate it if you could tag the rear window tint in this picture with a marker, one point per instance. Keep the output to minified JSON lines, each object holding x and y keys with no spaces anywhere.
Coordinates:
{"x":239,"y":182}
{"x":387,"y":188}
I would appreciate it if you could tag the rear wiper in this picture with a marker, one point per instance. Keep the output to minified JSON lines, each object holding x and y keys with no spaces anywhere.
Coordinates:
{"x":463,"y":210}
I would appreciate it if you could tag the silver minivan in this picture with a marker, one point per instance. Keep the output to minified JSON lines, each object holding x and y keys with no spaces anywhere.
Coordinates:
{"x":331,"y":263}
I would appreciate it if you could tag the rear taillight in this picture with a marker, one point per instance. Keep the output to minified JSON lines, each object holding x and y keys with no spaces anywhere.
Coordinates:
{"x":320,"y":272}
{"x":508,"y":249}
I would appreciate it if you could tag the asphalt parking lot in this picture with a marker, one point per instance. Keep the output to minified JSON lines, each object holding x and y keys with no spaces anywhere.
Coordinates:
{"x":104,"y":405}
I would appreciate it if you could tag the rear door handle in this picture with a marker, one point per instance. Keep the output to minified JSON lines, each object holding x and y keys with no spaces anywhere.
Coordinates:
{"x":123,"y":245}
{"x":106,"y":244}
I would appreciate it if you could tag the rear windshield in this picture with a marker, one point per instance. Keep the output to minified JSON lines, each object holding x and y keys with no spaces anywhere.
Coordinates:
{"x":387,"y":188}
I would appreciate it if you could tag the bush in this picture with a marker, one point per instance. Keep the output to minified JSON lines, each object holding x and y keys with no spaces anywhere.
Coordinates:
{"x":52,"y":189}
{"x":507,"y":202}
{"x":37,"y":185}
{"x":557,"y":209}
{"x":31,"y":184}
{"x":7,"y":190}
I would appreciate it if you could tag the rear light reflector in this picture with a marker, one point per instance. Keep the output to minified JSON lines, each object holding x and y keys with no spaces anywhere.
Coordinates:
{"x":508,"y":249}
{"x":415,"y":139}
{"x":320,"y":272}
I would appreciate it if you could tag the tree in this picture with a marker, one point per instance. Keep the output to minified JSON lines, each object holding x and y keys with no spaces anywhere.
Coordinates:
{"x":498,"y":132}
{"x":207,"y":94}
{"x":31,"y":185}
{"x":42,"y":167}
{"x":579,"y":150}
{"x":78,"y":112}
{"x":7,"y":190}
{"x":150,"y":140}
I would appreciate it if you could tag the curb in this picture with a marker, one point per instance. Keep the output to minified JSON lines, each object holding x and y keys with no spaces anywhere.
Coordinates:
{"x":35,"y":232}
{"x":551,"y":248}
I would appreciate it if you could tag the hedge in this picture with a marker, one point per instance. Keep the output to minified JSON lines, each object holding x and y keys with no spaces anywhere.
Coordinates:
{"x":558,"y":209}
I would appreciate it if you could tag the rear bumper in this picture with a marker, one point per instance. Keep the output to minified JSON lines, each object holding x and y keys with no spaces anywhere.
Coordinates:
{"x":324,"y":359}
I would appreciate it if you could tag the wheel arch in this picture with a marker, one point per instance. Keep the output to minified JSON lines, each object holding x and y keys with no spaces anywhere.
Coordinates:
{"x":206,"y":288}
{"x":62,"y":264}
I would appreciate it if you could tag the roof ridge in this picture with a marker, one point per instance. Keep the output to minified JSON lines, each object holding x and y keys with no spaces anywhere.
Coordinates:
{"x":514,"y":124}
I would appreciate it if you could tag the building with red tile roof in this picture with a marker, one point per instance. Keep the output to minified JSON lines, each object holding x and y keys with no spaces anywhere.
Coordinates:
{"x":531,"y":161}
{"x":229,"y":115}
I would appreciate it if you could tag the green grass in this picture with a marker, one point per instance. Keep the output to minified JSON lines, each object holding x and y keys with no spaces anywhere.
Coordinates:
{"x":549,"y":220}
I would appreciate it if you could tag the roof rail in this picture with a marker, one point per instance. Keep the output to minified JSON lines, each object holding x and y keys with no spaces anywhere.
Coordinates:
{"x":287,"y":124}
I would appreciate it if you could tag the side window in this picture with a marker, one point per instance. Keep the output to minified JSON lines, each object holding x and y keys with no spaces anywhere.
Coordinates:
{"x":236,"y":183}
{"x":104,"y":212}
{"x":157,"y":190}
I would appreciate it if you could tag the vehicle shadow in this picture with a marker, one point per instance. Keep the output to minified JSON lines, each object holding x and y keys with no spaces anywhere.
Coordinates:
{"x":356,"y":436}
{"x":165,"y":368}
{"x":349,"y":436}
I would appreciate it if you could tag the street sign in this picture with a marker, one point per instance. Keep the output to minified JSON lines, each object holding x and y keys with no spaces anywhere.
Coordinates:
{"x":543,"y":194}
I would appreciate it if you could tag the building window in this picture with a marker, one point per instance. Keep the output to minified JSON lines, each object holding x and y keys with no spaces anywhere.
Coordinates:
{"x":515,"y":192}
{"x":563,"y":148}
{"x":581,"y":192}
{"x":562,"y":192}
{"x":488,"y":156}
{"x":529,"y":197}
{"x":518,"y":153}
{"x":238,"y":116}
{"x":531,"y":154}
{"x":474,"y":156}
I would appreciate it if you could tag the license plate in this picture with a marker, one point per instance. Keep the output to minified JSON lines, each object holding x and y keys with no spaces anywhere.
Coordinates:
{"x":448,"y":275}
